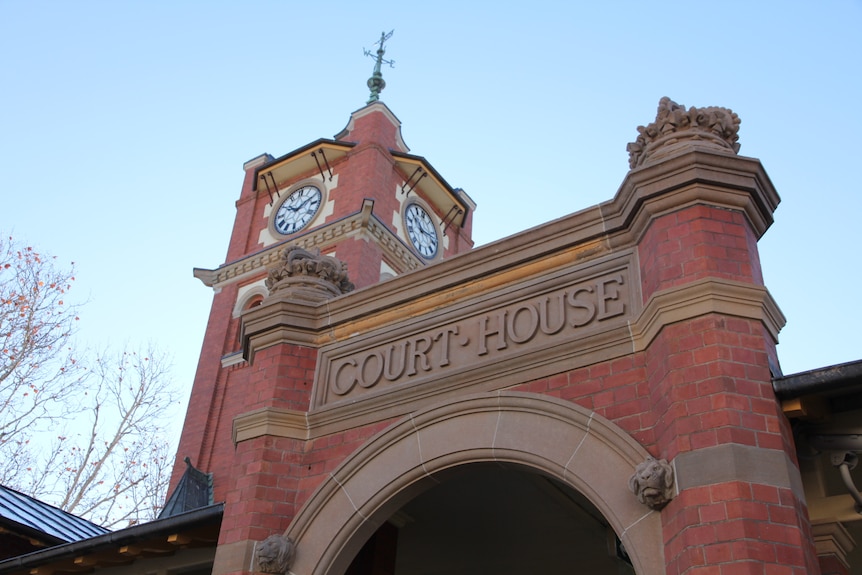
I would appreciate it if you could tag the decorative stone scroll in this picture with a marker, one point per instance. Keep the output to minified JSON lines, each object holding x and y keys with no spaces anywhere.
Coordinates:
{"x":675,"y":127}
{"x":653,"y":483}
{"x":308,"y":275}
{"x":275,"y":554}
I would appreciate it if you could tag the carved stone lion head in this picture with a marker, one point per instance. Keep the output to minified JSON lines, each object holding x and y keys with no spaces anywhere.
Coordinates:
{"x":652,"y":483}
{"x":275,"y":554}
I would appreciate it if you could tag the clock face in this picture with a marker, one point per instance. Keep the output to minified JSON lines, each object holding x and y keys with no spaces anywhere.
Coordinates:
{"x":297,"y":210}
{"x":421,"y":231}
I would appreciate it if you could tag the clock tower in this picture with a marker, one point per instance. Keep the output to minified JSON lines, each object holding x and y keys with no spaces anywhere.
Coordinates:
{"x":359,"y":202}
{"x":374,"y":396}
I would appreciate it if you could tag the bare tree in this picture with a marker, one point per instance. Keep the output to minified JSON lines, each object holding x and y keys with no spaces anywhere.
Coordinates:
{"x":113,"y":468}
{"x":84,"y":433}
{"x":38,"y":371}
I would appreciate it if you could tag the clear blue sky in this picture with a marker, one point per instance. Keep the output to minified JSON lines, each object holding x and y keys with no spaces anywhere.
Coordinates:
{"x":124,"y":127}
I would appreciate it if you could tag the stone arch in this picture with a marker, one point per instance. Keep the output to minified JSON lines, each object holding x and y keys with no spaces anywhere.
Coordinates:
{"x":575,"y":446}
{"x":247,"y":295}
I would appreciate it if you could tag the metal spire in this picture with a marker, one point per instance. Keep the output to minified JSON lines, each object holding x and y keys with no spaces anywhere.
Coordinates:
{"x":376,"y":82}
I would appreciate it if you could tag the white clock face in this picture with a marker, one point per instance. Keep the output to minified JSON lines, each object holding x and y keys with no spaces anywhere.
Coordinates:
{"x":297,"y":210}
{"x":421,"y":231}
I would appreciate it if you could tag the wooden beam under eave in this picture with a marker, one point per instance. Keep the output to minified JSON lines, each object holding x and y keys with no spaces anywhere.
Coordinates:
{"x":179,"y":539}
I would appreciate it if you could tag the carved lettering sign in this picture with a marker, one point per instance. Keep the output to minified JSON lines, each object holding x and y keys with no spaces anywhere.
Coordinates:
{"x":504,"y":332}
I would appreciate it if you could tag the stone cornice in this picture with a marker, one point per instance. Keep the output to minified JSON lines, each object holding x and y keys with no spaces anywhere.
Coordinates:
{"x":362,"y":222}
{"x":271,"y":421}
{"x":693,"y":175}
{"x":703,"y":297}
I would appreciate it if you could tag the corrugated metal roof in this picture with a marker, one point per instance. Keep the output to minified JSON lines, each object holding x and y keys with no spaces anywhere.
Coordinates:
{"x":200,"y":526}
{"x":34,"y":514}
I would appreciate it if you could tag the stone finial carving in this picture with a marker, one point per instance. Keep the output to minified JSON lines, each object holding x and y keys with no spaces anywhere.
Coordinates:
{"x":308,"y":275}
{"x":652,"y":483}
{"x":275,"y":554}
{"x":675,"y":127}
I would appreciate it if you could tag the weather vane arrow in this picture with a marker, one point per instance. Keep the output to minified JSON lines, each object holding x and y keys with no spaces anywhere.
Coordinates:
{"x":376,"y":82}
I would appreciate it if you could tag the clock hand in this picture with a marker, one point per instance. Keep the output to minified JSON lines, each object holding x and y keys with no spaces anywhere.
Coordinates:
{"x":424,"y":231}
{"x":423,"y":223}
{"x":300,"y":206}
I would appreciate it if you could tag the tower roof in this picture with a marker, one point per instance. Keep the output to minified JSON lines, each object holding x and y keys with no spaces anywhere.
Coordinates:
{"x":194,"y":491}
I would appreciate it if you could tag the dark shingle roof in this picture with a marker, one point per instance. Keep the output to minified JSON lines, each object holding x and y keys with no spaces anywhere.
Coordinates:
{"x":32,"y":514}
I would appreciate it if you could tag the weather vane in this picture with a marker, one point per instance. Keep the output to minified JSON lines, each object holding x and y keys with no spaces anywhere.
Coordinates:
{"x":376,"y":82}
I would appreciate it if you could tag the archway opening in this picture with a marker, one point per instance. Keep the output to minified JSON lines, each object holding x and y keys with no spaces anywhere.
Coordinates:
{"x":493,"y":518}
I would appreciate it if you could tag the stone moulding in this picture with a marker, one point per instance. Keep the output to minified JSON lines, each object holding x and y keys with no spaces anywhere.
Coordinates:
{"x":705,"y":296}
{"x":524,"y":360}
{"x":361,"y":223}
{"x":833,"y":539}
{"x":280,"y":320}
{"x":271,"y":421}
{"x":695,"y":176}
{"x":571,"y":316}
{"x":664,"y":308}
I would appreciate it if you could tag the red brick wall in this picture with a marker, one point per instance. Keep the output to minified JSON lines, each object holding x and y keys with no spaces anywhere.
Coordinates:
{"x":831,"y":565}
{"x":737,"y":527}
{"x":698,"y":242}
{"x":374,"y":127}
{"x":203,"y":411}
{"x":280,"y":377}
{"x":271,"y":478}
{"x":702,"y":383}
{"x":364,"y":259}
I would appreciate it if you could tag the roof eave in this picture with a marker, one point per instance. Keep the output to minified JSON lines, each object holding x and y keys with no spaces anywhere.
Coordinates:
{"x":115,"y":538}
{"x":835,"y":380}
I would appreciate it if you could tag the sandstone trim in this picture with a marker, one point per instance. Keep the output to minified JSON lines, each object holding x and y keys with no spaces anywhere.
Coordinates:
{"x":558,"y":439}
{"x":271,"y":421}
{"x":833,"y":539}
{"x":664,"y":308}
{"x":361,"y":223}
{"x":703,"y":297}
{"x":233,"y":557}
{"x":735,"y":462}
